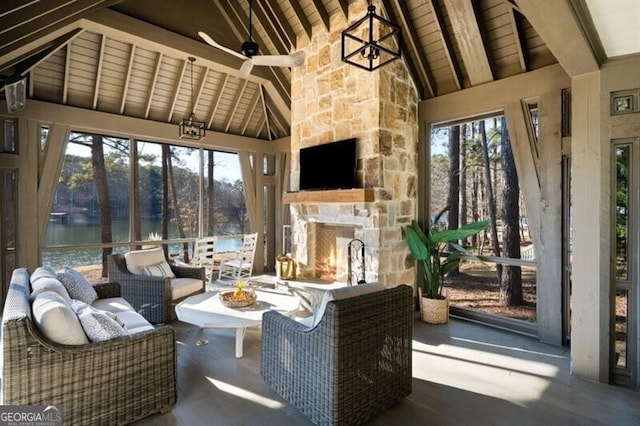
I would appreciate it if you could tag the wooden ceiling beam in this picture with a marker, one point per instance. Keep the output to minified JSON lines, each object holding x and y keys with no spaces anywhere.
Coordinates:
{"x":269,"y":20}
{"x":152,"y":86}
{"x":344,"y":6}
{"x":203,"y":80}
{"x":238,"y":96}
{"x":413,"y":49}
{"x":516,"y":25}
{"x":176,"y":91}
{"x":322,"y":13}
{"x":34,"y":26}
{"x":26,"y":63}
{"x":302,"y":18}
{"x":216,"y":101}
{"x":557,"y":26}
{"x":251,"y":112}
{"x":281,"y":21}
{"x":12,"y":6}
{"x":127,"y":79}
{"x":65,"y":80}
{"x":464,"y":24}
{"x":266,"y":116}
{"x":446,"y":41}
{"x":96,"y":91}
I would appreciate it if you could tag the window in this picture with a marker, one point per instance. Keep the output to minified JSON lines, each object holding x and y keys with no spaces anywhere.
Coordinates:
{"x":100,"y":208}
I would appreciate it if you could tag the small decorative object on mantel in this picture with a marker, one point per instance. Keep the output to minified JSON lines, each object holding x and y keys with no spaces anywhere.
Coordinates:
{"x":371,"y":42}
{"x":241,"y":297}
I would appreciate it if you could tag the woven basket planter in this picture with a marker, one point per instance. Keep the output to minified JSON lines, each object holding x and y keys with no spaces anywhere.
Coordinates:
{"x":433,"y":311}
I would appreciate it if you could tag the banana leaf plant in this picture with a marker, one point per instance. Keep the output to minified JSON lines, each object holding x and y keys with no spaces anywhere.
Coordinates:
{"x":429,"y":246}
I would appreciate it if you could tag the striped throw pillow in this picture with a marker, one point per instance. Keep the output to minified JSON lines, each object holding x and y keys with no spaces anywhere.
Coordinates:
{"x":161,"y":269}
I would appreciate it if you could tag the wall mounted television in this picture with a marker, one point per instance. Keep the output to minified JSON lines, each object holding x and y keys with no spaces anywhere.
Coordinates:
{"x":328,"y":166}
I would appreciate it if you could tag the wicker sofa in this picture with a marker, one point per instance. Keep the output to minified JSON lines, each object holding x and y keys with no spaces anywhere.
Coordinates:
{"x":116,"y":381}
{"x":354,"y":363}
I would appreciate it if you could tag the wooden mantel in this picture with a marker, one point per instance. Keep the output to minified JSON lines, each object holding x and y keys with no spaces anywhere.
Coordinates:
{"x":356,"y":195}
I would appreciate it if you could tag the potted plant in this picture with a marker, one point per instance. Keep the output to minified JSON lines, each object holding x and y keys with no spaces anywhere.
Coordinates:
{"x":430,"y":247}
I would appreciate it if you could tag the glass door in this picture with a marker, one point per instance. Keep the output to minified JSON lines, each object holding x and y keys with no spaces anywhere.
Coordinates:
{"x":625,"y":360}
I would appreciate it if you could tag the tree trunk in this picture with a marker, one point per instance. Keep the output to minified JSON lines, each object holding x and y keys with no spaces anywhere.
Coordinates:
{"x":491,"y":201}
{"x":511,"y":279}
{"x":165,"y":194}
{"x":175,"y":204}
{"x":137,"y":219}
{"x":453,"y":199}
{"x":211,"y":218}
{"x":102,"y":192}
{"x":463,"y":178}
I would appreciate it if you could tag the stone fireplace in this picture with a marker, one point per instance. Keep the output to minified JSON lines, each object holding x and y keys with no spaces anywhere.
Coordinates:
{"x":333,"y":101}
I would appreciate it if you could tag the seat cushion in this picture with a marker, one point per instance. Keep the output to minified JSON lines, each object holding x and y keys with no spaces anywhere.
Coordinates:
{"x":78,"y":286}
{"x":56,"y":320}
{"x":136,"y":260}
{"x":181,"y":287}
{"x":112,"y":304}
{"x":134,"y":322}
{"x":344,"y":293}
{"x":49,"y":284}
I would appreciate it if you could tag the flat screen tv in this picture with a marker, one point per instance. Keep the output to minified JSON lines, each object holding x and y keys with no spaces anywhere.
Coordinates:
{"x":328,"y":166}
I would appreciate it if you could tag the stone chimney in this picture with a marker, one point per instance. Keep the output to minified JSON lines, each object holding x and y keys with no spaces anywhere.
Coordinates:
{"x":332,"y":101}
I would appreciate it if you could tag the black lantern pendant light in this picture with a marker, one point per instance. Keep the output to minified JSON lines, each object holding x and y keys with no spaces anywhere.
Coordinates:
{"x":371,"y":42}
{"x":190,"y":127}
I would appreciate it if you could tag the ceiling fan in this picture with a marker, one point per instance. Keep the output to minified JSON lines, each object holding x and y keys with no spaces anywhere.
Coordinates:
{"x":249,"y":52}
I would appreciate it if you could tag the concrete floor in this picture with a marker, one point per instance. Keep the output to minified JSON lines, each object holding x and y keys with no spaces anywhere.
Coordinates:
{"x":464,"y":374}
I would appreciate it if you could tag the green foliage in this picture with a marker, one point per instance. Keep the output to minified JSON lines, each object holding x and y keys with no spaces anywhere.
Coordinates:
{"x":429,"y":247}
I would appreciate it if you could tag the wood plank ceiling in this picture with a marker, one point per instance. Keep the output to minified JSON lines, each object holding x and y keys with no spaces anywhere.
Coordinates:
{"x":130,"y":57}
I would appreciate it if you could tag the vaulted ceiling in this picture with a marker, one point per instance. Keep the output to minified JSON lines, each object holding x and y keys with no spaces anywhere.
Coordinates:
{"x":130,"y":57}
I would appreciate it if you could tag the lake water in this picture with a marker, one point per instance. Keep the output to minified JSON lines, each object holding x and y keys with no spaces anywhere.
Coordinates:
{"x":85,"y":232}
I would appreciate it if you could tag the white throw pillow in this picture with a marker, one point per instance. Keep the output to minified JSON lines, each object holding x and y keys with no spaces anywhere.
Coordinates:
{"x":78,"y":286}
{"x":42,"y":272}
{"x":56,"y":320}
{"x":344,"y":293}
{"x":161,"y":269}
{"x":136,"y":260}
{"x":49,"y":284}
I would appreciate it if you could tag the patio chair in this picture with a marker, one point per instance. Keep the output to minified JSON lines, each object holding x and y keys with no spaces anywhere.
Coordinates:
{"x":238,"y":265}
{"x":151,"y":285}
{"x":354,"y":363}
{"x":204,"y":255}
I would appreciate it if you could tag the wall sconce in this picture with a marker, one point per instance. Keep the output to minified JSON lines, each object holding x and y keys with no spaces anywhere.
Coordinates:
{"x":15,"y":93}
{"x":191,"y":127}
{"x":361,"y":48}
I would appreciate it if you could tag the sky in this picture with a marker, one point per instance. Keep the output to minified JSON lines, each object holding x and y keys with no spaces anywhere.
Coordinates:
{"x":227,"y":164}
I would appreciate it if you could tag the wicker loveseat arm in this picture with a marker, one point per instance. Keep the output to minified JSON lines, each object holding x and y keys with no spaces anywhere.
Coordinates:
{"x":353,"y":365}
{"x":107,"y":290}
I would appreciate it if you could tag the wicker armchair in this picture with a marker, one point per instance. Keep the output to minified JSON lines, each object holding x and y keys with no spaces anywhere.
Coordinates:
{"x":116,"y":381}
{"x":354,"y":364}
{"x":151,"y":296}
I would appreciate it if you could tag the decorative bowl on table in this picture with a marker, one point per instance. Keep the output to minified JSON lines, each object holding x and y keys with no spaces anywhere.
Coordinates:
{"x":239,"y":298}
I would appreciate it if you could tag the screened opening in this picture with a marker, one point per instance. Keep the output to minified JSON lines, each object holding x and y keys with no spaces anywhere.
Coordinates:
{"x":473,"y":174}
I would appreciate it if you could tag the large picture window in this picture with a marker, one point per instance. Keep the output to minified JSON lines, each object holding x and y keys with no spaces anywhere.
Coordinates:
{"x":171,"y":196}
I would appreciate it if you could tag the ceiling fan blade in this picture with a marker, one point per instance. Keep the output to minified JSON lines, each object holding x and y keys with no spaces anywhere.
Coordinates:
{"x":245,"y":69}
{"x":217,"y":45}
{"x":293,"y":60}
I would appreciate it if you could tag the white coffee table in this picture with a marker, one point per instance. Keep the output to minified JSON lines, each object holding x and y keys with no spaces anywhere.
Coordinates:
{"x":206,"y":311}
